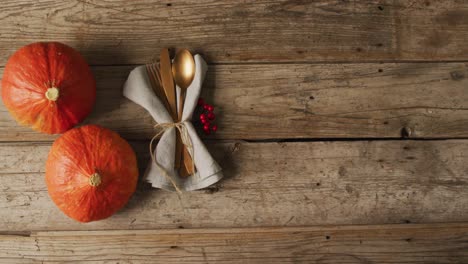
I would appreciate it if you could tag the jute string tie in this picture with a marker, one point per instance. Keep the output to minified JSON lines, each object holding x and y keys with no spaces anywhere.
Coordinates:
{"x":186,"y":140}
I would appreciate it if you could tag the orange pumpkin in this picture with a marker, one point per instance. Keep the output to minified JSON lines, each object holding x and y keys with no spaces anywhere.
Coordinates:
{"x":48,"y":86}
{"x":91,"y":172}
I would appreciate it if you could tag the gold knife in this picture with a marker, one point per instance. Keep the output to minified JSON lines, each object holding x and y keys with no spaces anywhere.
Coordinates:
{"x":170,"y":91}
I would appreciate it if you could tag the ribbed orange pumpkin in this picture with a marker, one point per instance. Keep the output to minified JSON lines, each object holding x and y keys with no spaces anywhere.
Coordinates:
{"x":48,"y":86}
{"x":91,"y":172}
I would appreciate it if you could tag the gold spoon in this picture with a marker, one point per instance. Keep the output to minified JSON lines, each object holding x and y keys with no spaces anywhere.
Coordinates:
{"x":183,"y":70}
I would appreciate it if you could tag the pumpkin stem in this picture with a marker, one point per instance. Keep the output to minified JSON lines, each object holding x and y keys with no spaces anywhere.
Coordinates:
{"x":95,"y":179}
{"x":52,"y":93}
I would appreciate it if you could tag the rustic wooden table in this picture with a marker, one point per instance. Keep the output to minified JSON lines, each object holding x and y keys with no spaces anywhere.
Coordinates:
{"x":343,"y":132}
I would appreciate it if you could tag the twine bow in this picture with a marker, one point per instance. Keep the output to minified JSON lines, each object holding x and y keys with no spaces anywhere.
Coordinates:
{"x":186,"y":140}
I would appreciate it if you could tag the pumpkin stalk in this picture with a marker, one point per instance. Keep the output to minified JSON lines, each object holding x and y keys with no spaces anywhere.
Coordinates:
{"x":95,"y":179}
{"x":52,"y":93}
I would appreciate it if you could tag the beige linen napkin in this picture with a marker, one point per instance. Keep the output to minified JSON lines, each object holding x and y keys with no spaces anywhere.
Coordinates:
{"x":138,"y":89}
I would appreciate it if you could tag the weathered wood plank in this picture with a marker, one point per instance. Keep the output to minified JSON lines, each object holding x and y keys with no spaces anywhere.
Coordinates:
{"x":131,"y":32}
{"x":267,"y":184}
{"x":437,"y":243}
{"x":301,"y":101}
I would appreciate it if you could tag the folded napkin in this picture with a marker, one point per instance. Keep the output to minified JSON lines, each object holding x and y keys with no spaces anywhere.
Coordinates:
{"x":138,"y":89}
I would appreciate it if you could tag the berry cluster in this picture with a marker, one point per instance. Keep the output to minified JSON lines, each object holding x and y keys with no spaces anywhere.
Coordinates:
{"x":207,"y":116}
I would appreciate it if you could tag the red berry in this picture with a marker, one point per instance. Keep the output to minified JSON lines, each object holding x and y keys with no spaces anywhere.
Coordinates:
{"x":214,"y":128}
{"x":205,"y":121}
{"x":202,"y":117}
{"x":211,"y":116}
{"x":206,"y":129}
{"x":206,"y":106}
{"x":200,"y":101}
{"x":210,"y":108}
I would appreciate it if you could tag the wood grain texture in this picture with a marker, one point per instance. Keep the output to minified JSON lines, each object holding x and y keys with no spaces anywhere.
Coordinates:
{"x":132,"y":32}
{"x":267,"y":184}
{"x":260,"y":101}
{"x":338,"y":244}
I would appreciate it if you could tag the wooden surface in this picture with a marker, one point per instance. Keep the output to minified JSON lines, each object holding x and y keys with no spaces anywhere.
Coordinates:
{"x":418,"y":100}
{"x":267,"y":184}
{"x":352,"y":244}
{"x":343,"y":132}
{"x":130,"y":32}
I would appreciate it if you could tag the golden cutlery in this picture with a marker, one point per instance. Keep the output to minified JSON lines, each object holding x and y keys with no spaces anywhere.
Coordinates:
{"x":183,"y":71}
